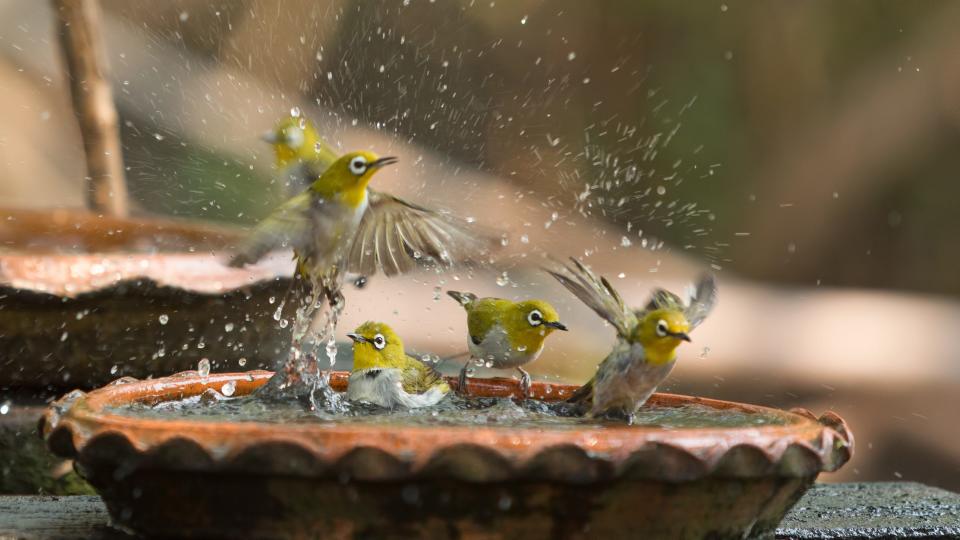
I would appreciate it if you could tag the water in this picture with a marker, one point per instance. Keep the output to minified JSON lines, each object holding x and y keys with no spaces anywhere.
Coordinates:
{"x":454,"y":410}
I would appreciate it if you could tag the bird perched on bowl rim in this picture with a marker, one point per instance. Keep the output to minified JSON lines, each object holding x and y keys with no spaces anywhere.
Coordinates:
{"x":339,"y":226}
{"x":505,"y":334}
{"x":647,"y":339}
{"x":299,"y":152}
{"x":383,"y":374}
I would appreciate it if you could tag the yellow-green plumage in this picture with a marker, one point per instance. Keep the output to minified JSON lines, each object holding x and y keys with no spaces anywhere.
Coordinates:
{"x":506,"y":334}
{"x":338,"y":226}
{"x":384,"y":374}
{"x":647,"y":339}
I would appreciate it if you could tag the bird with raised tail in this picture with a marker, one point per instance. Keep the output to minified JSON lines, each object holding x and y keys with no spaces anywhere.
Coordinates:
{"x":504,"y":334}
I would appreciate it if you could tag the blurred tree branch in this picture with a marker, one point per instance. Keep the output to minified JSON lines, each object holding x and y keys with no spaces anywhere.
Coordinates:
{"x":78,"y":29}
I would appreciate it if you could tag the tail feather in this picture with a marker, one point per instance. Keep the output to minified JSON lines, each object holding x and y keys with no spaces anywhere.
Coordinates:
{"x":463,"y":298}
{"x":582,"y":395}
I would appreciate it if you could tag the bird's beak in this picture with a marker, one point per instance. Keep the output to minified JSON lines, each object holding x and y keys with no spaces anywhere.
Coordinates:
{"x":357,"y":338}
{"x":682,"y":335}
{"x":383,"y":162}
{"x":558,"y":325}
{"x":270,"y":137}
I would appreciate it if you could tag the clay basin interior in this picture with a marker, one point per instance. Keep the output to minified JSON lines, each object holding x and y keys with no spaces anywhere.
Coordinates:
{"x":202,"y":478}
{"x":85,"y":299}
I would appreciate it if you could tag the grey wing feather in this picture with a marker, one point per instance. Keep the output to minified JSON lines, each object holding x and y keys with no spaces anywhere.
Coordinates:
{"x":396,"y":236}
{"x":702,"y":300}
{"x":596,"y":292}
{"x":287,"y":227}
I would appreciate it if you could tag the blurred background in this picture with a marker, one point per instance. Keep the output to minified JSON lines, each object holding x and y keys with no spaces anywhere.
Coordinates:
{"x":804,"y":152}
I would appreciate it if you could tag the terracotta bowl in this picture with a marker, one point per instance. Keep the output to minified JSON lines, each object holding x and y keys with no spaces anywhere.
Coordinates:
{"x":183,"y":478}
{"x":86,"y":298}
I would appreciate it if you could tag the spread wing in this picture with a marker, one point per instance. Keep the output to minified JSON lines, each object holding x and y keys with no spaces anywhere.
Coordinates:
{"x":596,"y":292}
{"x":396,"y":236}
{"x":288,"y":226}
{"x":703,"y":298}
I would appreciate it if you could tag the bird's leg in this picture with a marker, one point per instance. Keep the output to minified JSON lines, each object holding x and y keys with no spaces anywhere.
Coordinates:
{"x":525,"y":382}
{"x":462,"y":381}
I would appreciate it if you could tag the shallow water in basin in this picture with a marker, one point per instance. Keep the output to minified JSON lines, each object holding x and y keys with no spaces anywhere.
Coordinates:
{"x":454,"y":410}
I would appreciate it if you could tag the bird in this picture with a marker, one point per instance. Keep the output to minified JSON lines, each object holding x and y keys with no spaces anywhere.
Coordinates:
{"x":647,"y":339}
{"x":506,"y":334}
{"x":384,"y":375}
{"x":299,"y":152}
{"x":338,"y":226}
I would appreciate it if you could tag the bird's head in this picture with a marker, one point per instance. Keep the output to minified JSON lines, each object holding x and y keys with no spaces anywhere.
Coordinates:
{"x":293,"y":139}
{"x":348,"y":176}
{"x":376,"y":345}
{"x":660,"y":332}
{"x":529,"y":322}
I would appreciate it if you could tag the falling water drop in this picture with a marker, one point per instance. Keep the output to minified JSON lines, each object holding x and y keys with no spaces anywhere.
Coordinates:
{"x":5,"y":407}
{"x":242,"y":361}
{"x":164,"y":318}
{"x":203,"y":367}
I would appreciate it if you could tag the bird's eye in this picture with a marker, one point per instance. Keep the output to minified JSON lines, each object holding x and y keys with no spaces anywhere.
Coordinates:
{"x":379,"y":342}
{"x":535,"y":318}
{"x":358,"y":165}
{"x":662,"y":328}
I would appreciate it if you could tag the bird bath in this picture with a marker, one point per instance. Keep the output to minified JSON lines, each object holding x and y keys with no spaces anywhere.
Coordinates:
{"x":76,"y":287}
{"x":182,"y":476}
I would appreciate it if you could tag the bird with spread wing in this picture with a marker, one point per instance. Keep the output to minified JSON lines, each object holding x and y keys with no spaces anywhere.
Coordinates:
{"x":647,"y":339}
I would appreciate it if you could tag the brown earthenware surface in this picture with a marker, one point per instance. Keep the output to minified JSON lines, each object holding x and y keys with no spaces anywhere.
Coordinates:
{"x":78,"y":426}
{"x":86,"y":298}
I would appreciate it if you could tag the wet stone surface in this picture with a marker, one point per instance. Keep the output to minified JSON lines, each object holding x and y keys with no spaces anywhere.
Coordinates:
{"x":873,"y":511}
{"x":828,"y":511}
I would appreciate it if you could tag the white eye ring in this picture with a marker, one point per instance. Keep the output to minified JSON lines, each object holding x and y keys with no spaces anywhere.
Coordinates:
{"x":379,"y":342}
{"x":358,"y":165}
{"x":535,"y":318}
{"x":294,"y":137}
{"x":662,"y":328}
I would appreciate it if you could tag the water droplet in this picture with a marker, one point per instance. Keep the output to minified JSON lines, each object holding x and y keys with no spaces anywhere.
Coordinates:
{"x":661,"y":190}
{"x":436,"y":293}
{"x":704,"y":352}
{"x":228,"y":327}
{"x":571,"y":56}
{"x":114,"y":369}
{"x":524,"y":239}
{"x":523,"y":20}
{"x":283,"y":323}
{"x":184,"y":16}
{"x":203,"y":367}
{"x":228,"y":388}
{"x":5,"y":407}
{"x":278,"y":314}
{"x":295,"y":112}
{"x":242,"y":361}
{"x":272,"y":300}
{"x":163,"y":318}
{"x":503,"y":279}
{"x":625,"y":242}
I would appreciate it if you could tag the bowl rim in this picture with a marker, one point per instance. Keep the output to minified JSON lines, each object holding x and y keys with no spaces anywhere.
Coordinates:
{"x":805,"y":445}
